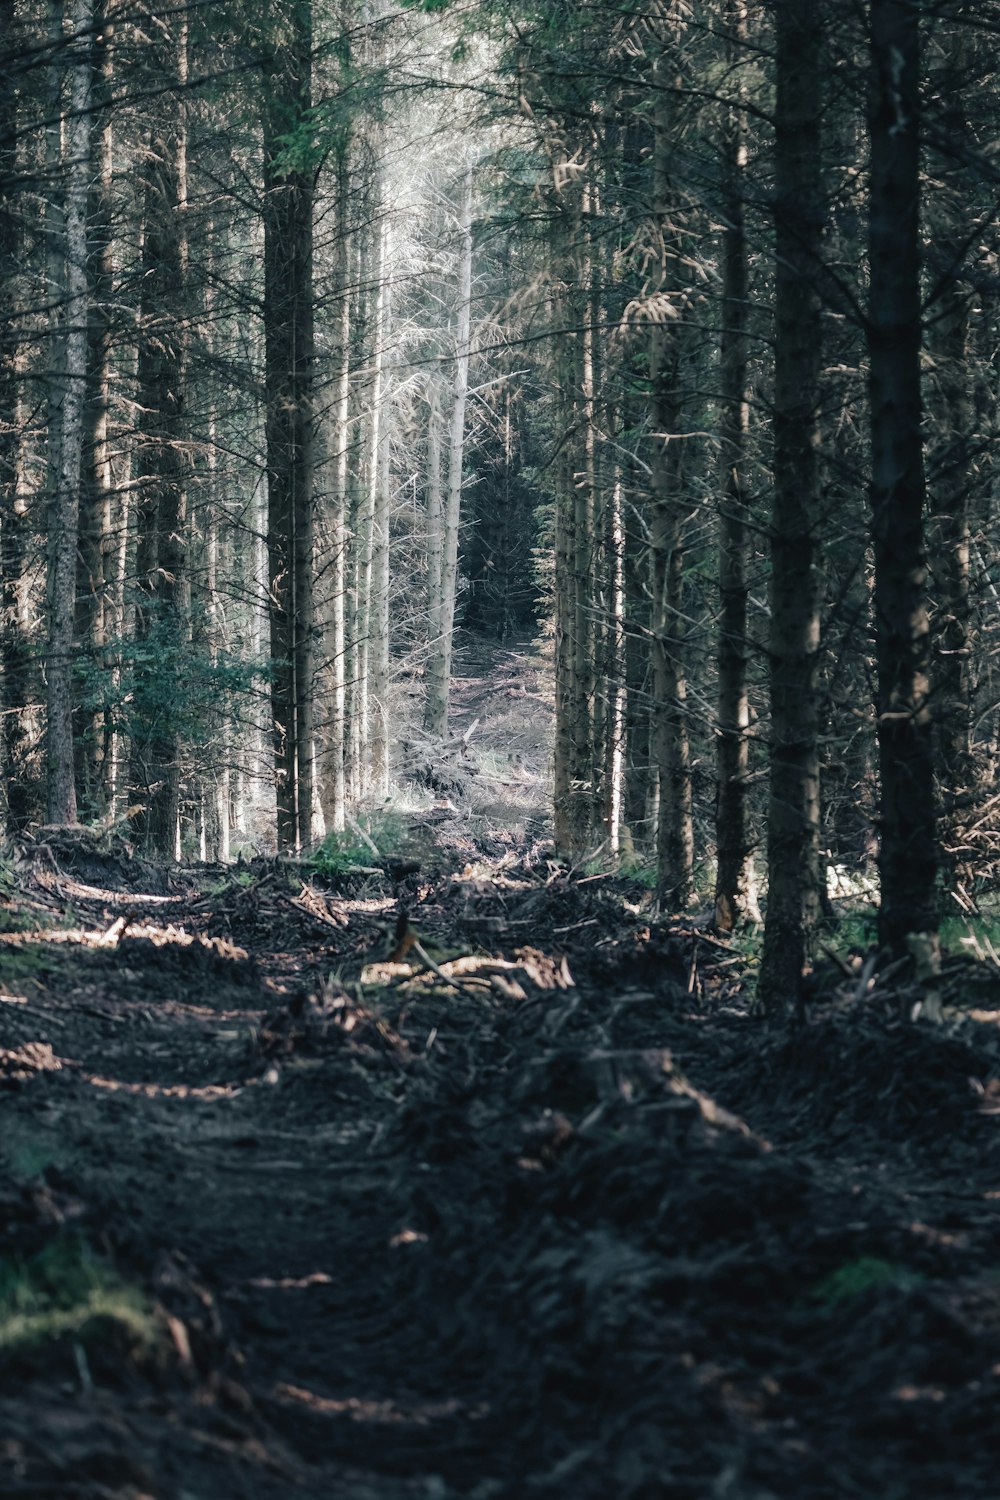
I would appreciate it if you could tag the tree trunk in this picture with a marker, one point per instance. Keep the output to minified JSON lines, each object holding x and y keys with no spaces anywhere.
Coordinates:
{"x":15,"y":655}
{"x":289,"y":380}
{"x":370,"y":658}
{"x":954,"y":475}
{"x":435,"y":533}
{"x":908,"y":857}
{"x":95,"y":562}
{"x":668,"y":520}
{"x":161,"y":615}
{"x":332,"y":782}
{"x":378,"y":698}
{"x":793,"y":808}
{"x":65,"y":507}
{"x":439,"y":662}
{"x":736,"y":883}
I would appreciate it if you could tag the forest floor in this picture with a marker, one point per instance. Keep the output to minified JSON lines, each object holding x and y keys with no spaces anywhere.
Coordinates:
{"x":284,"y":1215}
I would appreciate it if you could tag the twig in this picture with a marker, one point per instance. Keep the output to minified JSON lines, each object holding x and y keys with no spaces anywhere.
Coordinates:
{"x":864,"y":978}
{"x":841,"y":963}
{"x":356,"y":827}
{"x":425,"y":958}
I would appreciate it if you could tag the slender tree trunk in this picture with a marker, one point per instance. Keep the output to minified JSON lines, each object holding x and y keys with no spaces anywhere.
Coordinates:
{"x":954,"y":477}
{"x":162,"y":622}
{"x":378,"y":697}
{"x":908,"y":858}
{"x":615,"y":708}
{"x":564,"y":790}
{"x":95,"y":562}
{"x":736,"y":884}
{"x":639,"y":811}
{"x":368,"y":657}
{"x":588,"y":749}
{"x":289,"y":380}
{"x":668,"y":520}
{"x":359,"y":485}
{"x":65,"y":509}
{"x":439,"y":663}
{"x":568,"y":820}
{"x":332,"y":784}
{"x":15,"y":658}
{"x":435,"y":531}
{"x":793,"y":808}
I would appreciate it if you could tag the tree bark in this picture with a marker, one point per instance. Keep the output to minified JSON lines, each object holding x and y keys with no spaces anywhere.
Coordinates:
{"x":668,"y":519}
{"x":439,"y":661}
{"x":332,"y":780}
{"x":378,"y":697}
{"x":793,"y":806}
{"x":289,"y":381}
{"x":15,"y":654}
{"x":908,"y":856}
{"x":65,"y":508}
{"x":161,"y":614}
{"x":736,"y":882}
{"x":954,"y":476}
{"x":95,"y":563}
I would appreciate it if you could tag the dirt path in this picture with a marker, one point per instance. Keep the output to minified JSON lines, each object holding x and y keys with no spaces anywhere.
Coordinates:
{"x":555,"y":1218}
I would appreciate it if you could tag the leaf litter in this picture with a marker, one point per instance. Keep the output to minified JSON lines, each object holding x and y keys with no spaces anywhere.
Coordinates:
{"x":551,"y":1213}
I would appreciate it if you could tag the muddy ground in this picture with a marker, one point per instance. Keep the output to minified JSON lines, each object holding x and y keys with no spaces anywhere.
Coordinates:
{"x":554,"y":1216}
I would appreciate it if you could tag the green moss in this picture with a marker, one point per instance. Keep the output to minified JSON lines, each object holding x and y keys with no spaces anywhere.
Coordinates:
{"x":857,"y":1276}
{"x":66,"y":1291}
{"x":20,"y":962}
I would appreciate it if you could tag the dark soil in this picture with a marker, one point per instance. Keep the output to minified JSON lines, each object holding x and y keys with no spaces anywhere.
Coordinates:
{"x":568,"y":1222}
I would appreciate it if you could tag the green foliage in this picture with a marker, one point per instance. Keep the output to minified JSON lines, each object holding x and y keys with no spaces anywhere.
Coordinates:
{"x":339,"y":853}
{"x":855,"y":1277}
{"x":166,"y":685}
{"x":641,"y":871}
{"x":299,"y":151}
{"x":67,"y":1291}
{"x":21,"y":962}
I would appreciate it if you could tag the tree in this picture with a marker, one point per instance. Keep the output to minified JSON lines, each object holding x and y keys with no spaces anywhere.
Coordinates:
{"x":735,"y":883}
{"x":290,"y":416}
{"x":440,"y":652}
{"x":69,"y":386}
{"x":793,"y":802}
{"x":908,"y":857}
{"x":162,"y":627}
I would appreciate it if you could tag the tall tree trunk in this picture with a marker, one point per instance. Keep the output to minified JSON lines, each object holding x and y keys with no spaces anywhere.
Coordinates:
{"x":435,"y":527}
{"x":954,"y":476}
{"x":370,"y":655}
{"x":289,"y":381}
{"x":587,"y":749}
{"x":95,"y":563}
{"x":615,"y":670}
{"x":668,"y":518}
{"x":793,"y":807}
{"x":15,"y":655}
{"x":378,"y":697}
{"x":65,"y":507}
{"x":359,"y":486}
{"x":736,"y":884}
{"x":332,"y":781}
{"x":161,"y":614}
{"x":439,"y":662}
{"x":568,"y":841}
{"x":908,"y":857}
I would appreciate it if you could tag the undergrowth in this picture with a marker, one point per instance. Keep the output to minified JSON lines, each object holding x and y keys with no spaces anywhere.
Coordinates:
{"x":340,"y":853}
{"x":67,"y":1291}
